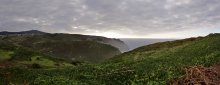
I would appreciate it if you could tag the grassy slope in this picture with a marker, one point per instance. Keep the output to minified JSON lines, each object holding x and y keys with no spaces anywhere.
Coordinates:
{"x":162,"y":64}
{"x":154,"y":65}
{"x":79,"y":50}
{"x":5,"y":55}
{"x":17,"y":56}
{"x":66,"y":46}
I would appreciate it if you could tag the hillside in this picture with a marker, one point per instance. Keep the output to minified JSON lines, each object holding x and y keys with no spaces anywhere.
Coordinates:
{"x":13,"y":56}
{"x":154,"y":64}
{"x":117,"y":43}
{"x":161,"y":62}
{"x":71,"y":47}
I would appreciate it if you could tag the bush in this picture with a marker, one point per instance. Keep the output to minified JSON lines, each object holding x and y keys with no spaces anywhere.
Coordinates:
{"x":76,"y":63}
{"x":36,"y":66}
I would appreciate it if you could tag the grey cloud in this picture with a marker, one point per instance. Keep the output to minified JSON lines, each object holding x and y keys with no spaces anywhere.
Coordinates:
{"x":136,"y":17}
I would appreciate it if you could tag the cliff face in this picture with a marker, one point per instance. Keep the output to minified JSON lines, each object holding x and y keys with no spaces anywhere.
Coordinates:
{"x":117,"y":43}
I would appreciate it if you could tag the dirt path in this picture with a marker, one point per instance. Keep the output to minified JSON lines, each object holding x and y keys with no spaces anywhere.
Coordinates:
{"x":217,"y":68}
{"x":199,"y":75}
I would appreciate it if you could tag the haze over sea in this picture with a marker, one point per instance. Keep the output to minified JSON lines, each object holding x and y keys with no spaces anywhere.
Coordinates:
{"x":134,"y":43}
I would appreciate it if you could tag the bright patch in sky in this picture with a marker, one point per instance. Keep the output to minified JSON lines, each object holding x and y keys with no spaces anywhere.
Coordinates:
{"x":186,"y":33}
{"x":108,"y":34}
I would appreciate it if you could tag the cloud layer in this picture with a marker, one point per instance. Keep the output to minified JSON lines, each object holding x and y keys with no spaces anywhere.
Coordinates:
{"x":113,"y":17}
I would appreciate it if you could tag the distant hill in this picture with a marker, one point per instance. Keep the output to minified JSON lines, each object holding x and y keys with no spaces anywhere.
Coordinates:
{"x":67,"y":46}
{"x":30,"y":32}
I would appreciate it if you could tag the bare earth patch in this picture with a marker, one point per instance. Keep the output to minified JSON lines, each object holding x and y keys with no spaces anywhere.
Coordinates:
{"x":199,"y":75}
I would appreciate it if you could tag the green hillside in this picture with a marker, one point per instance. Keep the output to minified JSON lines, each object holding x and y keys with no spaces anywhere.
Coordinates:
{"x":13,"y":56}
{"x":154,"y":64}
{"x":75,"y":50}
{"x":66,"y":46}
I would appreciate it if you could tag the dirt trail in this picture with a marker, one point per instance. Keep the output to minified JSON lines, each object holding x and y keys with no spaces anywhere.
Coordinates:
{"x":199,"y":75}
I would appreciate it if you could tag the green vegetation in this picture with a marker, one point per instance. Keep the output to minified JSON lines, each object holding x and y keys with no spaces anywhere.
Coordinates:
{"x":149,"y":65}
{"x":76,"y":50}
{"x":65,"y":46}
{"x":5,"y":55}
{"x":19,"y":56}
{"x":41,"y":61}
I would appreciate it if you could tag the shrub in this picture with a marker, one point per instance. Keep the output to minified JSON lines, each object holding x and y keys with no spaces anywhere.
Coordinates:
{"x":36,"y":66}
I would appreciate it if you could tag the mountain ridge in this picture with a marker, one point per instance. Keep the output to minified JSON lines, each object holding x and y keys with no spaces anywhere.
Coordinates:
{"x":29,"y":32}
{"x":110,"y":41}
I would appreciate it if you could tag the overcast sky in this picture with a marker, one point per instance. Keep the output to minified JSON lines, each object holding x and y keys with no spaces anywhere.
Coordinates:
{"x":113,"y":18}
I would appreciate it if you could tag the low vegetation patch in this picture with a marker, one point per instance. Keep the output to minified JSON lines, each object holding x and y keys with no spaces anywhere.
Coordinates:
{"x":5,"y":55}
